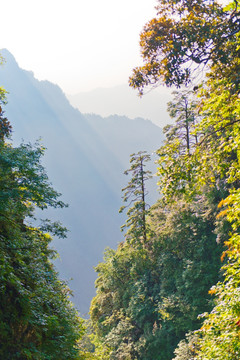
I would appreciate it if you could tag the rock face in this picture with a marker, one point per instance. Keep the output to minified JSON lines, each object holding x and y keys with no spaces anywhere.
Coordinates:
{"x":85,"y":159}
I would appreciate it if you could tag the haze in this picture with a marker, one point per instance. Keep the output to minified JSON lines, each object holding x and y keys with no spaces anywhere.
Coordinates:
{"x":76,"y":44}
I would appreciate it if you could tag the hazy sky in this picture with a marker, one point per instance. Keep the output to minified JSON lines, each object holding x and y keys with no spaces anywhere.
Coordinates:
{"x":77,"y":44}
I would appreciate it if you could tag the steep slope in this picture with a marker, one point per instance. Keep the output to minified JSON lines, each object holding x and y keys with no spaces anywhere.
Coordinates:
{"x":85,"y":162}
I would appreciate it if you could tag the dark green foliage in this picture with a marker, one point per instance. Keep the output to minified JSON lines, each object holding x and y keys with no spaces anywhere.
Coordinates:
{"x":148,"y":298}
{"x":37,"y":320}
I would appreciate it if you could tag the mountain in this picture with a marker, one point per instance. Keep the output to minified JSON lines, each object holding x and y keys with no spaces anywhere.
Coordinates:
{"x":123,"y":100}
{"x":85,"y":160}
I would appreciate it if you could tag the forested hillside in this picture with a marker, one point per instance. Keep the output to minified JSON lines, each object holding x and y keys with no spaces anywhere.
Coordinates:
{"x":37,"y":320}
{"x":171,"y":289}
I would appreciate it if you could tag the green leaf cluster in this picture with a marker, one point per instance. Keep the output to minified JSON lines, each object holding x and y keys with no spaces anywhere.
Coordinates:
{"x":37,"y":319}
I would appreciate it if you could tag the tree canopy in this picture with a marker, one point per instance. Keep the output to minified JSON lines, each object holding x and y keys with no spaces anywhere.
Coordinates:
{"x":37,"y":319}
{"x":184,"y":37}
{"x":148,"y":299}
{"x":172,"y":287}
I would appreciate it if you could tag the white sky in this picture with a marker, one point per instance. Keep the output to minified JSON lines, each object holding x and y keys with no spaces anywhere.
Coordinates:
{"x":77,"y":44}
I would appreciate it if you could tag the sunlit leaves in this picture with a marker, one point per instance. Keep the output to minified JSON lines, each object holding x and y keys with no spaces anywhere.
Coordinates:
{"x":184,"y":35}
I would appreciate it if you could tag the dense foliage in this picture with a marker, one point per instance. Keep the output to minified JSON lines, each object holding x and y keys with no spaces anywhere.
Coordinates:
{"x":37,"y":320}
{"x":150,"y":297}
{"x":171,"y":289}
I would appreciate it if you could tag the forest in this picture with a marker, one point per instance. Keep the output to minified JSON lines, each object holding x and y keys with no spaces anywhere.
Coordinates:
{"x":170,"y":291}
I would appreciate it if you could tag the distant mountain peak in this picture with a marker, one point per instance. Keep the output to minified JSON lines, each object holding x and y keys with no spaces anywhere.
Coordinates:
{"x":7,"y":55}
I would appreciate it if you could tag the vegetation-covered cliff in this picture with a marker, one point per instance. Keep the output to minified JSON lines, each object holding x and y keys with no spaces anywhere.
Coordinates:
{"x":171,"y":288}
{"x":168,"y":279}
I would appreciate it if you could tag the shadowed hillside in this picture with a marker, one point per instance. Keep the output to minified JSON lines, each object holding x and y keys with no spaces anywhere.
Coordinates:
{"x":85,"y":160}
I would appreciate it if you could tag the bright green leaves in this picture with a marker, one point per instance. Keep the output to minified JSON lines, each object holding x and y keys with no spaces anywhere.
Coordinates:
{"x":214,"y":169}
{"x":219,"y":336}
{"x":219,"y":130}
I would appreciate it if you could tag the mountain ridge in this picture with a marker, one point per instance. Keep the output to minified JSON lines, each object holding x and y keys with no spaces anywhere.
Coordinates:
{"x":82,"y":164}
{"x":124,"y":101}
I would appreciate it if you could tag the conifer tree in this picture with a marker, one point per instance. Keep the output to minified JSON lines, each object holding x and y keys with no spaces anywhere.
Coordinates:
{"x":135,"y":193}
{"x":176,"y":157}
